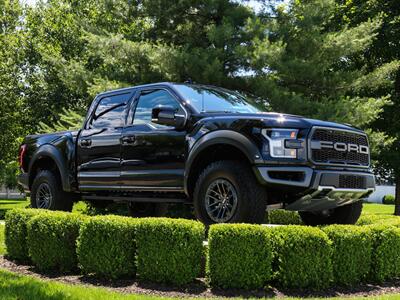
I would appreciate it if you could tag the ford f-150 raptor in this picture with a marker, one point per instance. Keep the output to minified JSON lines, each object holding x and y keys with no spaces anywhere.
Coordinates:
{"x":162,"y":143}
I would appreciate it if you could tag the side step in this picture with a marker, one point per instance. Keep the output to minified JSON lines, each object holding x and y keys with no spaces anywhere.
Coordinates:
{"x":132,"y":198}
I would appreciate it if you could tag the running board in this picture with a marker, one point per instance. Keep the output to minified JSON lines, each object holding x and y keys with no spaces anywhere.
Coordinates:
{"x":137,"y":199}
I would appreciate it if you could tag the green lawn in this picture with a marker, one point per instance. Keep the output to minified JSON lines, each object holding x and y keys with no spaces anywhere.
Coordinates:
{"x":10,"y":204}
{"x":21,"y":287}
{"x":378,"y":209}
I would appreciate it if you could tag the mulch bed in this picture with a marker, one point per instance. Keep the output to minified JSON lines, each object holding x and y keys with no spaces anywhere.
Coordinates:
{"x":198,"y":288}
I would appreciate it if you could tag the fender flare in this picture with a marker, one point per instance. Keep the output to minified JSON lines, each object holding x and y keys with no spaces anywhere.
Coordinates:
{"x":50,"y":151}
{"x":228,"y":137}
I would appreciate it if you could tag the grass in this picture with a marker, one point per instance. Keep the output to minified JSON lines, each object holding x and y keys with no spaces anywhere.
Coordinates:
{"x":378,"y":209}
{"x":10,"y":204}
{"x":21,"y":287}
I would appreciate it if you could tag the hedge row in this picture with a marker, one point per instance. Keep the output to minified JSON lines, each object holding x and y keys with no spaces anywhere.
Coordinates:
{"x":240,"y":256}
{"x":16,"y":232}
{"x":249,"y":256}
{"x":156,"y":249}
{"x":171,"y":250}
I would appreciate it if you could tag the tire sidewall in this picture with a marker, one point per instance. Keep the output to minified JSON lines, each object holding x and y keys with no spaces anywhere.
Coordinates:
{"x":213,"y":174}
{"x":45,"y":177}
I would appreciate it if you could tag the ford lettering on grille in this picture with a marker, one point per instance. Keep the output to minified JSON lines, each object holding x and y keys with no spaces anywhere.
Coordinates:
{"x":331,"y":146}
{"x":339,"y":146}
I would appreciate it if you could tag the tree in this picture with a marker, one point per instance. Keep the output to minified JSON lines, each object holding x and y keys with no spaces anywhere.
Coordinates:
{"x":383,"y":52}
{"x":11,"y":86}
{"x":67,"y":120}
{"x":307,"y":65}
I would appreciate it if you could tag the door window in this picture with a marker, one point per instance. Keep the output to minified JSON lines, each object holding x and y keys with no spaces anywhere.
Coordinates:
{"x":147,"y":101}
{"x":110,"y":112}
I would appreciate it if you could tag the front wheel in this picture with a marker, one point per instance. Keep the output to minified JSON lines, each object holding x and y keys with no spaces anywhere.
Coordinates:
{"x":228,"y":192}
{"x":47,"y":193}
{"x":346,"y":214}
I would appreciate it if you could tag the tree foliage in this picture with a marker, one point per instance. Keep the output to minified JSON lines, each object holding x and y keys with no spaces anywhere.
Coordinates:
{"x":326,"y":59}
{"x":382,"y":54}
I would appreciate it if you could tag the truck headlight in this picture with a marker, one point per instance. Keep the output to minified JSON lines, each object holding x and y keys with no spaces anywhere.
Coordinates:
{"x":283,"y":142}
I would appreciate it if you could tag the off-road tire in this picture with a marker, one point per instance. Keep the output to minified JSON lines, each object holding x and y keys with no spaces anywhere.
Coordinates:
{"x":60,"y":200}
{"x":346,"y":214}
{"x":141,"y":209}
{"x":251,"y":196}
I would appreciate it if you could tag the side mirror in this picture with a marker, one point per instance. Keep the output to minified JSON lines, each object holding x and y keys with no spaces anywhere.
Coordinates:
{"x":166,"y":115}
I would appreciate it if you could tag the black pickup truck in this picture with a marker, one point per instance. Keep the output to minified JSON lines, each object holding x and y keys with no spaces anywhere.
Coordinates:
{"x":162,"y":143}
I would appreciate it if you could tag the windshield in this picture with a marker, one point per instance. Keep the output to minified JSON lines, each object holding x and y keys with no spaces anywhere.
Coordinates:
{"x":214,"y":99}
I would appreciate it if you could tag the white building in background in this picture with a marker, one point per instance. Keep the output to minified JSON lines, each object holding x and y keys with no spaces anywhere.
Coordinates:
{"x":380,"y":192}
{"x":10,"y":194}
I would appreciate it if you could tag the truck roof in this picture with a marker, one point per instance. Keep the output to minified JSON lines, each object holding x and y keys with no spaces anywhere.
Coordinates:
{"x":135,"y":86}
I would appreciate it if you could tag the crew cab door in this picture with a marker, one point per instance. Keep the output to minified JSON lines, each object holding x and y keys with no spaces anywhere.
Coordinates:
{"x":99,"y":143}
{"x":152,"y":154}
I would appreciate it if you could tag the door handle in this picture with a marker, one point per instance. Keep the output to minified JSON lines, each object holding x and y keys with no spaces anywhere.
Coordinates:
{"x":130,"y":139}
{"x":86,"y":143}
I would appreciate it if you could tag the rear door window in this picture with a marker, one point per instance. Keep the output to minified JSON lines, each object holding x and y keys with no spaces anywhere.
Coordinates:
{"x":110,"y":112}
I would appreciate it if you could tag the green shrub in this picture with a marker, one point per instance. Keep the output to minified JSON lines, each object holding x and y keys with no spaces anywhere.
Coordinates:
{"x":302,"y":257}
{"x":389,"y":220}
{"x":388,"y":199}
{"x":106,"y":246}
{"x":15,"y":232}
{"x":240,"y":256}
{"x":169,"y":250}
{"x":386,"y":254}
{"x":284,"y":217}
{"x":52,"y":240}
{"x":352,"y":250}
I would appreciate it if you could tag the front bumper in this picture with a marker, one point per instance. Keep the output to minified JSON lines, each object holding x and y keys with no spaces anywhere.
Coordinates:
{"x":323,"y":189}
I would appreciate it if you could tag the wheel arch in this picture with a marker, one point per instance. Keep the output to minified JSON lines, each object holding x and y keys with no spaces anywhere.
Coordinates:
{"x":48,"y":157}
{"x":219,"y":145}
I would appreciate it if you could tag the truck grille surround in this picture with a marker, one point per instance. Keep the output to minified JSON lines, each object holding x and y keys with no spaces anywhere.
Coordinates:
{"x":330,"y":155}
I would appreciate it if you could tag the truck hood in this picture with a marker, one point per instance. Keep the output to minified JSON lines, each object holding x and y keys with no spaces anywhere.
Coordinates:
{"x":272,"y":119}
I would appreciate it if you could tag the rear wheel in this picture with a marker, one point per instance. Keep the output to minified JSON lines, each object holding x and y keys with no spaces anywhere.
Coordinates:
{"x":228,"y":192}
{"x":145,"y":209}
{"x":346,"y":214}
{"x":47,"y":193}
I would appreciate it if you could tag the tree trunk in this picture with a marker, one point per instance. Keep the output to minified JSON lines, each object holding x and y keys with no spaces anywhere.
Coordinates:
{"x":397,"y":195}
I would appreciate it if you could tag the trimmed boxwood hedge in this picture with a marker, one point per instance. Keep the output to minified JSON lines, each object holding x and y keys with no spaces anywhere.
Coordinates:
{"x":52,"y":240}
{"x":240,"y":256}
{"x":388,"y":199}
{"x":169,"y":250}
{"x":16,"y":231}
{"x":284,"y":217}
{"x":302,"y":257}
{"x":389,"y":220}
{"x":352,"y":250}
{"x":106,"y":246}
{"x":386,"y":253}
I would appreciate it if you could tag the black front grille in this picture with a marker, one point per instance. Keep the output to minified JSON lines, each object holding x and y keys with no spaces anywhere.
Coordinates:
{"x":332,"y":156}
{"x":352,"y":182}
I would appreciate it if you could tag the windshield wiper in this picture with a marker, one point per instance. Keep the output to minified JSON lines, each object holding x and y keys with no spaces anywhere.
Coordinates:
{"x":220,"y":111}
